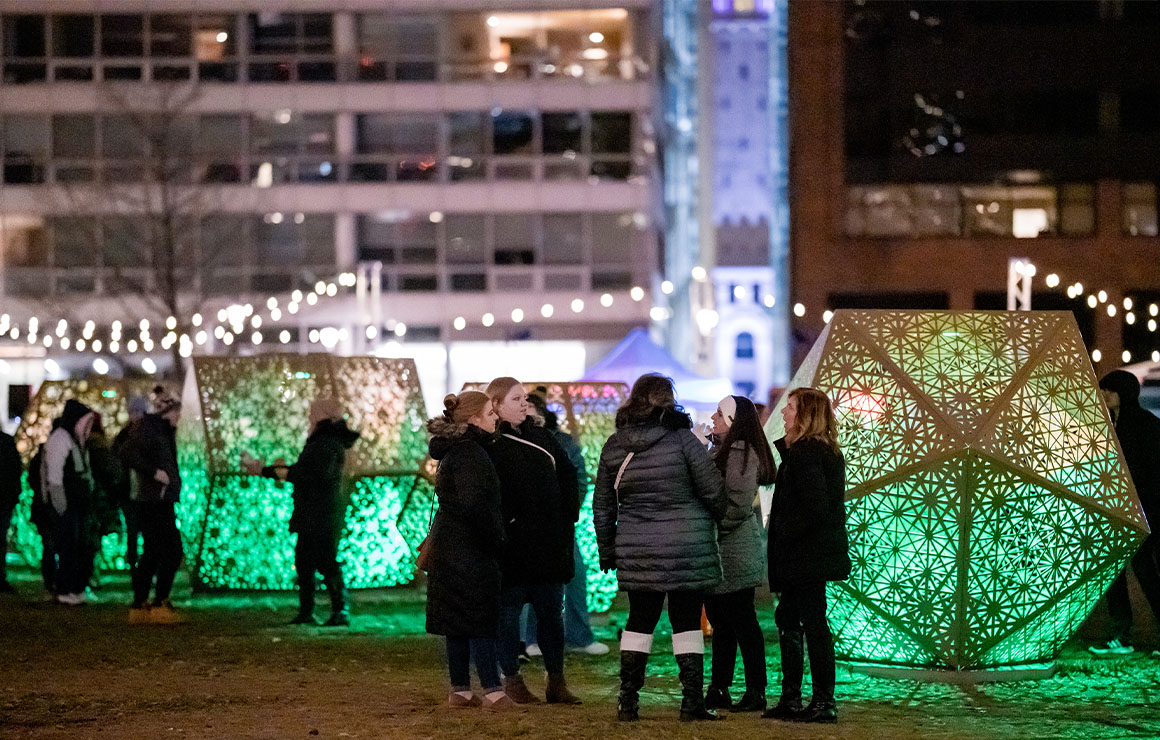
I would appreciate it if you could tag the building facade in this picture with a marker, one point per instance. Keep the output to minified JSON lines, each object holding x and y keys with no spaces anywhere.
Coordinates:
{"x":933,"y":143}
{"x":491,"y":174}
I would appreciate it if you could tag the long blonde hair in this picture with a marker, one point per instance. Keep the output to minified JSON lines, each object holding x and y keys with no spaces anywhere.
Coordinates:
{"x":815,"y":418}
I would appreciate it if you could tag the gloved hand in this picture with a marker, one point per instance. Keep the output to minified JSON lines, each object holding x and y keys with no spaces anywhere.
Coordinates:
{"x":607,"y":564}
{"x":702,"y":432}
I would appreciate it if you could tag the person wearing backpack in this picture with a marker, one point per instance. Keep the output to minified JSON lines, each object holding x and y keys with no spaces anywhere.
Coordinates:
{"x":10,"y":470}
{"x":67,"y":482}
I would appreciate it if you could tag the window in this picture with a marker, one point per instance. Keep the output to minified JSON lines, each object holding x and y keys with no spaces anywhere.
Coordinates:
{"x":563,"y":132}
{"x":515,"y":239}
{"x":563,"y":239}
{"x":170,"y":36}
{"x":1138,"y":209}
{"x":613,"y":238}
{"x":23,"y":38}
{"x":395,"y":133}
{"x":744,"y":346}
{"x":513,"y":132}
{"x":75,"y":242}
{"x":466,"y":235}
{"x":23,"y":242}
{"x":72,"y":36}
{"x":122,"y":35}
{"x":74,"y":137}
{"x":25,"y":144}
{"x":611,"y":133}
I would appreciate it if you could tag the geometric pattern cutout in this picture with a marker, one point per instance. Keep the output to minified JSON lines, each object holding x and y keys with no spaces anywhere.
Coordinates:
{"x":235,"y":525}
{"x":587,"y":411}
{"x":988,"y":505}
{"x":109,"y":398}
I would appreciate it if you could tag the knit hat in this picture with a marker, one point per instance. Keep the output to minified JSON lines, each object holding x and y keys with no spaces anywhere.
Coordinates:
{"x":162,"y":402}
{"x":728,"y":409}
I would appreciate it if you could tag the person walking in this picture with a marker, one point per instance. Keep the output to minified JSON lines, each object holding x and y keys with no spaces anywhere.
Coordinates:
{"x":150,"y":454}
{"x":655,"y":507}
{"x":807,"y":547}
{"x":466,"y":542}
{"x":319,"y":507}
{"x":578,"y":635}
{"x":1139,"y":434}
{"x":742,"y":455}
{"x":68,"y":490}
{"x":540,"y":505}
{"x":11,"y":471}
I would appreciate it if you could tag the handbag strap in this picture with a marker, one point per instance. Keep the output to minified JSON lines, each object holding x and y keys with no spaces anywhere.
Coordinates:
{"x":532,"y":444}
{"x":620,"y":473}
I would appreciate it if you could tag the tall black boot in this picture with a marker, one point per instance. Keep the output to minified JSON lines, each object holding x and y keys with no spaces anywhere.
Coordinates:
{"x":632,"y":669}
{"x":339,"y":616}
{"x":792,"y":670}
{"x":691,"y":671}
{"x":305,"y":602}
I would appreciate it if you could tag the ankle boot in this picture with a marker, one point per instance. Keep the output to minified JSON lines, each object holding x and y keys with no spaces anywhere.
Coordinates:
{"x":517,"y":690}
{"x":305,"y":603}
{"x":753,"y":700}
{"x":823,"y":710}
{"x":691,"y":671}
{"x":339,"y":616}
{"x":557,"y":691}
{"x":786,"y":709}
{"x":717,"y":697}
{"x":632,"y":670}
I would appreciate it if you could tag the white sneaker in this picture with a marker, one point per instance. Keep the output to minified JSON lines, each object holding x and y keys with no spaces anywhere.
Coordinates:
{"x":595,"y":648}
{"x":71,"y":599}
{"x":534,"y":650}
{"x":1112,"y":647}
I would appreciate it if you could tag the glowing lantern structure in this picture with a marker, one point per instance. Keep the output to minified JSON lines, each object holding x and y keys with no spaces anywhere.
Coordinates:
{"x":109,"y":398}
{"x":988,"y":504}
{"x":587,"y":411}
{"x":235,"y":525}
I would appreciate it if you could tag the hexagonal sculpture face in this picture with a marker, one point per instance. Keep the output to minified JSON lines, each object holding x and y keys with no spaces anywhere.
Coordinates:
{"x":236,"y":526}
{"x":988,"y":505}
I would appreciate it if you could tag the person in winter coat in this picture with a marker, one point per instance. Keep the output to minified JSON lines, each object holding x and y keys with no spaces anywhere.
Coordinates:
{"x":807,"y":547}
{"x":150,"y":454}
{"x":577,"y":628}
{"x":657,"y":501}
{"x":67,"y":487}
{"x":11,"y":470}
{"x":1139,"y":434}
{"x":319,"y":507}
{"x":137,"y":407}
{"x":540,"y":504}
{"x":466,"y":541}
{"x":742,"y":455}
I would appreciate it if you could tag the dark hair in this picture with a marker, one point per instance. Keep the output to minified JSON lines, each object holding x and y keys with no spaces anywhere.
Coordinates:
{"x":653,"y":395}
{"x":551,"y":421}
{"x":746,"y":428}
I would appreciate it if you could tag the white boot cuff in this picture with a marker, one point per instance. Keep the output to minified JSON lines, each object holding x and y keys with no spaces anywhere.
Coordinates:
{"x":635,"y":642}
{"x":688,"y":642}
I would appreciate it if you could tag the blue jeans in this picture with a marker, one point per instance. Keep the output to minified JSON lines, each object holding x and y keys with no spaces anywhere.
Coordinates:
{"x":547,"y":600}
{"x":577,"y":632}
{"x":463,"y":650}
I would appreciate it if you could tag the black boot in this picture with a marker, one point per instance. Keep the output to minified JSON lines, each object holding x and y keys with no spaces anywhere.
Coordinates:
{"x":305,"y":602}
{"x":339,"y":617}
{"x":819,"y":710}
{"x":753,"y":700}
{"x":691,"y":671}
{"x":785,"y":709}
{"x":717,"y":697}
{"x":632,"y":669}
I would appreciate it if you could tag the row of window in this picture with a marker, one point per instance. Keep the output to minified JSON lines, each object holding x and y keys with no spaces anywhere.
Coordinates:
{"x":284,"y":146}
{"x":900,"y":211}
{"x":231,"y":253}
{"x":285,"y":47}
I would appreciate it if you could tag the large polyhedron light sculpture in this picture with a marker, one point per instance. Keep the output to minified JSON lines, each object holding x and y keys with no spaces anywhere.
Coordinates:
{"x":988,"y":504}
{"x":235,"y":525}
{"x":587,"y":411}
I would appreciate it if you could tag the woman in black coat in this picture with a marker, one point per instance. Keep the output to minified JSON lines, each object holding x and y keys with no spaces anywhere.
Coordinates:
{"x":656,"y":506}
{"x":466,"y":541}
{"x":807,"y":547}
{"x":541,"y":503}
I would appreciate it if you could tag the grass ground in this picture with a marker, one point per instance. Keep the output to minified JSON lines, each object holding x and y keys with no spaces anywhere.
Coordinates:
{"x":236,"y":670}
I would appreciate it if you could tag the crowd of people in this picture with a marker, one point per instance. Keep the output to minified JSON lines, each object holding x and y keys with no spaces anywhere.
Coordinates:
{"x":676,"y":514}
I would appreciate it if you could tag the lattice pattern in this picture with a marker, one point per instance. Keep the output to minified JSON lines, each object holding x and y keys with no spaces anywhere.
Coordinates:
{"x":587,"y":411}
{"x":109,"y":398}
{"x":236,"y":525}
{"x":988,"y":504}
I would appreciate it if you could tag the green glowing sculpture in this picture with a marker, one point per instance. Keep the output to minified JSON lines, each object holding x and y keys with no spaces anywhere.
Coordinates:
{"x":108,"y":397}
{"x":988,"y":504}
{"x":587,"y":411}
{"x":235,"y":525}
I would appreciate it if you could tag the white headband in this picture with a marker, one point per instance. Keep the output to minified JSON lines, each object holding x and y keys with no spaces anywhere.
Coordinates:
{"x":728,"y":409}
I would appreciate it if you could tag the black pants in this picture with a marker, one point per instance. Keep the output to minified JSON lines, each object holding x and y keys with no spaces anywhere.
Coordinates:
{"x":317,"y":551}
{"x":1147,"y":569}
{"x":132,"y":534}
{"x":801,"y":612}
{"x":734,"y":621}
{"x":72,"y":576}
{"x":644,"y":610}
{"x":161,"y":554}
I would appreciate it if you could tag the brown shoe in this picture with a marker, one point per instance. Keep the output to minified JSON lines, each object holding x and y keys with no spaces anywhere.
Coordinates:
{"x":557,"y":691}
{"x":454,"y":699}
{"x":500,"y":703}
{"x":517,"y":690}
{"x":164,"y":613}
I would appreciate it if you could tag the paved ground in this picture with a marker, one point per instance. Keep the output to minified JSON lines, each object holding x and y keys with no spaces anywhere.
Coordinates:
{"x":235,"y":670}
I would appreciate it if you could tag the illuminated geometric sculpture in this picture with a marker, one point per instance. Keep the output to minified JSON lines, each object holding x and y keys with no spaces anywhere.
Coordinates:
{"x":988,"y":505}
{"x":109,"y":398}
{"x":587,"y":411}
{"x":235,"y":525}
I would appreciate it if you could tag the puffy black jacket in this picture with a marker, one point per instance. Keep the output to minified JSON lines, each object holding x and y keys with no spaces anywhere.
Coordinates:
{"x":1139,"y":434}
{"x":10,"y":471}
{"x":541,"y":503}
{"x":807,"y":518}
{"x":152,"y":446}
{"x":659,"y":527}
{"x":467,"y":536}
{"x":319,"y":504}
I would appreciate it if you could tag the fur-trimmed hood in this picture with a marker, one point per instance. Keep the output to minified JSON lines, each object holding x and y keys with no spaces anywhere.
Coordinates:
{"x":446,"y":433}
